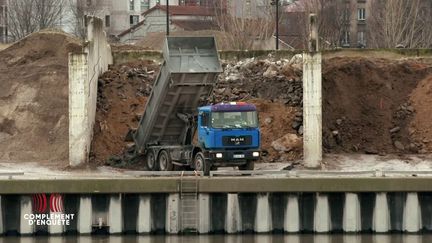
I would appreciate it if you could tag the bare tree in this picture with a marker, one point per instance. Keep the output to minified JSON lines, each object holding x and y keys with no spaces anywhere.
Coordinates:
{"x":333,"y":20}
{"x":28,"y":16}
{"x":395,"y":23}
{"x":249,"y":26}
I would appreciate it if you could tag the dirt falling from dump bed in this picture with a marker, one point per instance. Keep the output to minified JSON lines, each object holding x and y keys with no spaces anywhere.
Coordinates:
{"x":34,"y":98}
{"x":122,"y":95}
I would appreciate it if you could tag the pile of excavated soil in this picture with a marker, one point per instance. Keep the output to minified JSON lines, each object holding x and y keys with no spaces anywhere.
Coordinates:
{"x":421,"y":123}
{"x":366,"y":104}
{"x":34,"y":98}
{"x":122,"y":95}
{"x":274,"y":117}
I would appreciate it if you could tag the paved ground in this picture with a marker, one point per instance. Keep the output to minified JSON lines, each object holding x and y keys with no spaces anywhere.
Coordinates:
{"x":333,"y":165}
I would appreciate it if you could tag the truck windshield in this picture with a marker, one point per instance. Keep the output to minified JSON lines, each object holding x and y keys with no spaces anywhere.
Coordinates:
{"x":245,"y":119}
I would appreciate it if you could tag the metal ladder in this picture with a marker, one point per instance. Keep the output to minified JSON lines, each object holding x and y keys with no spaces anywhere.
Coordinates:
{"x":188,"y":204}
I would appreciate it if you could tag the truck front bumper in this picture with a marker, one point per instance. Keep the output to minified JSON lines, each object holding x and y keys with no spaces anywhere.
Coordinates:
{"x":232,"y":157}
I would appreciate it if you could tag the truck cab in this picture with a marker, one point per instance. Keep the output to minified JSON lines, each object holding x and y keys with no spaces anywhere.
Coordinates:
{"x":229,"y":135}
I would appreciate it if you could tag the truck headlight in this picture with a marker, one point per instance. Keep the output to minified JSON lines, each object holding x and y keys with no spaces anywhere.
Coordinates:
{"x":219,"y":155}
{"x":255,"y":154}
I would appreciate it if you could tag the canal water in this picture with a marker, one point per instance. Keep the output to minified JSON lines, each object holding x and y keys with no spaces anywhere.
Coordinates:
{"x":301,"y":238}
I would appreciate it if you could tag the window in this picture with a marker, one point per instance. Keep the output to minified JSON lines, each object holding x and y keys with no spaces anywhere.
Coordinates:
{"x":134,"y":19}
{"x":361,"y":40}
{"x":205,"y":119}
{"x":107,"y":21}
{"x":144,"y":5}
{"x":361,"y":13}
{"x":345,"y":38}
{"x":248,"y":119}
{"x":131,"y":5}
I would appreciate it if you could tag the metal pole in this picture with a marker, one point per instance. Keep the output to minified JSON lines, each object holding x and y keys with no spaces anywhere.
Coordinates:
{"x":277,"y":24}
{"x":167,"y":18}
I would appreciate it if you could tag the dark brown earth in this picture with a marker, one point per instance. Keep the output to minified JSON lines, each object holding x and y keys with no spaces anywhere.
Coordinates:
{"x":122,"y":95}
{"x":364,"y":99}
{"x":34,"y":98}
{"x":421,"y":124}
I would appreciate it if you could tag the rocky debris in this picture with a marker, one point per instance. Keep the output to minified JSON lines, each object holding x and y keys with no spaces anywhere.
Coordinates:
{"x":399,"y":145}
{"x":265,"y":79}
{"x":289,"y":142}
{"x":395,"y":129}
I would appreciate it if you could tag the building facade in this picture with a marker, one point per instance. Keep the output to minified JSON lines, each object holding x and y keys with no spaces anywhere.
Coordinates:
{"x":189,"y":18}
{"x":355,"y":33}
{"x":119,"y":15}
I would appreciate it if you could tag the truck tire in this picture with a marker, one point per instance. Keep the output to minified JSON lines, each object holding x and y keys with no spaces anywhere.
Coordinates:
{"x":201,"y":164}
{"x":150,"y":160}
{"x":250,"y":165}
{"x":164,"y":161}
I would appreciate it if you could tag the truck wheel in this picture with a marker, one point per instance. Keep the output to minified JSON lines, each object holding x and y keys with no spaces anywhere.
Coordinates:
{"x":250,"y":165}
{"x":164,"y":160}
{"x":151,"y":160}
{"x":201,"y":164}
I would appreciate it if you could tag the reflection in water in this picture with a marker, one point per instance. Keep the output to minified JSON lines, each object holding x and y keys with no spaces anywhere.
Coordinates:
{"x":303,"y":238}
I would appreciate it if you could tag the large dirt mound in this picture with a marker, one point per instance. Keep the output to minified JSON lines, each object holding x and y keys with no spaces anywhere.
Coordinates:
{"x":366,"y":105}
{"x":421,"y":124}
{"x":34,"y":98}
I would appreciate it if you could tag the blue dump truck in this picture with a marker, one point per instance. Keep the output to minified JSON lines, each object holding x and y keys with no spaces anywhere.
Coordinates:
{"x":178,"y":130}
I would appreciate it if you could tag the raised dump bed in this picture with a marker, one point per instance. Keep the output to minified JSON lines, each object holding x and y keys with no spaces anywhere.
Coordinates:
{"x":187,"y":75}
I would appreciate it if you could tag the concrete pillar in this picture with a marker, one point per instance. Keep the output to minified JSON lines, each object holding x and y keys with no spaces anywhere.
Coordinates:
{"x":79,"y":134}
{"x":233,"y":220}
{"x":56,"y":229}
{"x":1,"y":217}
{"x":263,"y":218}
{"x":172,"y":213}
{"x":312,"y":110}
{"x":381,"y":216}
{"x":322,"y":219}
{"x":144,"y":215}
{"x":85,"y":215}
{"x":204,"y":213}
{"x":412,"y":221}
{"x":292,"y":215}
{"x":26,"y":208}
{"x":352,"y":213}
{"x":115,"y":217}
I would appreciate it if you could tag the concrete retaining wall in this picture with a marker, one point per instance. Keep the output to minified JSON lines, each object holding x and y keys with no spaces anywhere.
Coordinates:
{"x":380,"y":212}
{"x":84,"y":70}
{"x":127,"y":56}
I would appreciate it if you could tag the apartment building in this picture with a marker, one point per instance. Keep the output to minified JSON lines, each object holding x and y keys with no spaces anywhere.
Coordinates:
{"x":356,"y":17}
{"x":351,"y":17}
{"x":119,"y":15}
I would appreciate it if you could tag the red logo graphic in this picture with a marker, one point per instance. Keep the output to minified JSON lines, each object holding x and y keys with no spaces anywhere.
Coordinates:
{"x":55,"y":203}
